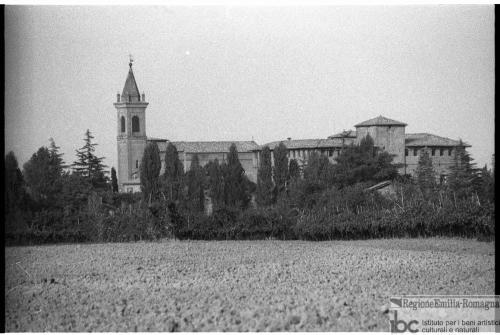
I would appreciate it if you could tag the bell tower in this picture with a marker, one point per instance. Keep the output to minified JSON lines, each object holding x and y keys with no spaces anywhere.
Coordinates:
{"x":131,"y":140}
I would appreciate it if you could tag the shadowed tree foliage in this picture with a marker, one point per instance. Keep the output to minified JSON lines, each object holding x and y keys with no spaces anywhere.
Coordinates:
{"x":280,"y":168}
{"x":236,"y":191}
{"x":425,"y":174}
{"x":88,"y":165}
{"x":265,"y":185}
{"x":363,"y":163}
{"x":463,"y":179}
{"x":14,"y":184}
{"x":215,"y":183}
{"x":42,"y":176}
{"x":487,"y":191}
{"x":172,"y":181}
{"x":195,"y":185}
{"x":150,"y":172}
{"x":319,"y":171}
{"x":114,"y":181}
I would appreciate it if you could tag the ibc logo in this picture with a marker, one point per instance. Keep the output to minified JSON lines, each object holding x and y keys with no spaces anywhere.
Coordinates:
{"x":400,"y":326}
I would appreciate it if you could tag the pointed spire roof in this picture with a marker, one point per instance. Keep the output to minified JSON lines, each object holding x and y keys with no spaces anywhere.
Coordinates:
{"x":380,"y":121}
{"x":130,"y":88}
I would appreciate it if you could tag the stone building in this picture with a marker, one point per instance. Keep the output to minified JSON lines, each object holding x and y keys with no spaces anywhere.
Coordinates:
{"x":387,"y":134}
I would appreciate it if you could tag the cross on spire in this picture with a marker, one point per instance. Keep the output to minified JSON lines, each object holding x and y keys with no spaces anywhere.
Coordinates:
{"x":131,"y":60}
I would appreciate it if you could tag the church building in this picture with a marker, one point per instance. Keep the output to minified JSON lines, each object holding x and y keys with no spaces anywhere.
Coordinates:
{"x":389,"y":135}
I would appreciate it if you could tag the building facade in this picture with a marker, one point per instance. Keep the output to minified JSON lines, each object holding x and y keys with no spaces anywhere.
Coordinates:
{"x":388,"y":135}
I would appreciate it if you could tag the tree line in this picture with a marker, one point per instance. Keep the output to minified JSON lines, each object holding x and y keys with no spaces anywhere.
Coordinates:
{"x":49,"y":201}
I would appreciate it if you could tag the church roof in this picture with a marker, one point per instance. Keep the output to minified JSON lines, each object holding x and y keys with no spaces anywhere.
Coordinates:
{"x":130,"y":87}
{"x":430,"y":140}
{"x":345,"y":133}
{"x":215,"y":146}
{"x":380,"y":121}
{"x":307,"y":144}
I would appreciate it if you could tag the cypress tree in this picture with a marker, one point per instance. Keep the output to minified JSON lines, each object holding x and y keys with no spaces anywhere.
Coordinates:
{"x":235,"y":183}
{"x":425,"y":174}
{"x":463,"y":178}
{"x":42,"y":178}
{"x":280,"y":168}
{"x":265,"y":179}
{"x":173,"y":174}
{"x":150,"y":172}
{"x":195,"y":183}
{"x":14,"y":184}
{"x":114,"y":181}
{"x":215,"y":182}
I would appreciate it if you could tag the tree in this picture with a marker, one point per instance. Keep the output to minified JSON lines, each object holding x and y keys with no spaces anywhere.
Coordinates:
{"x":88,"y":165}
{"x":114,"y":181}
{"x":215,"y":182}
{"x":265,"y":179}
{"x":195,"y":184}
{"x":487,"y":190}
{"x":463,"y":178}
{"x":235,"y":182}
{"x":425,"y":174}
{"x":14,"y":184}
{"x":150,"y":172}
{"x":173,"y":175}
{"x":294,"y":170}
{"x":280,"y":167}
{"x":42,"y":176}
{"x":363,"y":163}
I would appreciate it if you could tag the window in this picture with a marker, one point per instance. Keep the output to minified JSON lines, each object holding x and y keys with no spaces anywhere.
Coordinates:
{"x":293,"y":153}
{"x":122,"y":122}
{"x":136,"y":164}
{"x":330,"y":152}
{"x":406,"y":152}
{"x":433,"y":152}
{"x":449,"y":152}
{"x":441,"y":152}
{"x":135,"y":124}
{"x":415,"y":152}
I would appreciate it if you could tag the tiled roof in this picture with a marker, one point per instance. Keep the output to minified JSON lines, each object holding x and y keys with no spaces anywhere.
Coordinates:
{"x":345,"y":133}
{"x":380,"y":121}
{"x":424,"y":139}
{"x":307,"y":144}
{"x":215,"y":146}
{"x":130,"y":87}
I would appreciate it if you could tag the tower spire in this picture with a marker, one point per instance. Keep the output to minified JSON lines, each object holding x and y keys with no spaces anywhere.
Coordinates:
{"x":130,"y":91}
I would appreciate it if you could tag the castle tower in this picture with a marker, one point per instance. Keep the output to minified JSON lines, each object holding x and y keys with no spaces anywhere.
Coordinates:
{"x":131,"y":139}
{"x":387,"y":134}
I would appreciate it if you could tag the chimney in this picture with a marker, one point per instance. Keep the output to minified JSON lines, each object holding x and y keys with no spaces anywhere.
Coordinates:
{"x":118,"y":97}
{"x":143,"y":96}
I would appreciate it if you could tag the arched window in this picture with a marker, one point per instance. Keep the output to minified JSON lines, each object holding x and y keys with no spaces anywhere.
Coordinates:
{"x":122,"y":122}
{"x":135,"y":124}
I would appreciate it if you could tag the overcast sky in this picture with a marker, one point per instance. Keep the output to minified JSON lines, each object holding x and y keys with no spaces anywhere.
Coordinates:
{"x":243,"y":73}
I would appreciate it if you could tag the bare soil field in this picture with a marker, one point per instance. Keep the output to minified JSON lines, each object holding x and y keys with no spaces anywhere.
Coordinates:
{"x":233,"y":285}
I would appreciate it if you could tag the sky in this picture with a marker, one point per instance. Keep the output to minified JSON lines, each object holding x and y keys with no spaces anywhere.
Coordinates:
{"x":241,"y":72}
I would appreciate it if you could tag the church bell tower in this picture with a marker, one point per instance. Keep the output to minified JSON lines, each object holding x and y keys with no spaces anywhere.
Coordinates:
{"x":131,"y":140}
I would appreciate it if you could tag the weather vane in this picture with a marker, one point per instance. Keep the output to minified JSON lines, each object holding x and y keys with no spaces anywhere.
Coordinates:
{"x":131,"y":60}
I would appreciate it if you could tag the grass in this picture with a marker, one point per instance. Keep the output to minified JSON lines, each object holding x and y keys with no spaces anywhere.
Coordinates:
{"x":234,"y":285}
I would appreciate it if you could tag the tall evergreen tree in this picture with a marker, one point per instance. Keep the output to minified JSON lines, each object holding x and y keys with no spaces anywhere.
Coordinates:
{"x":114,"y":181}
{"x":172,"y":181}
{"x":425,"y":174}
{"x":88,"y":165}
{"x":280,"y":167}
{"x":487,"y":189}
{"x":215,"y":182}
{"x":235,"y":181}
{"x":195,"y":184}
{"x":14,"y":184}
{"x":463,"y":178}
{"x":150,"y":172}
{"x":265,"y":179}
